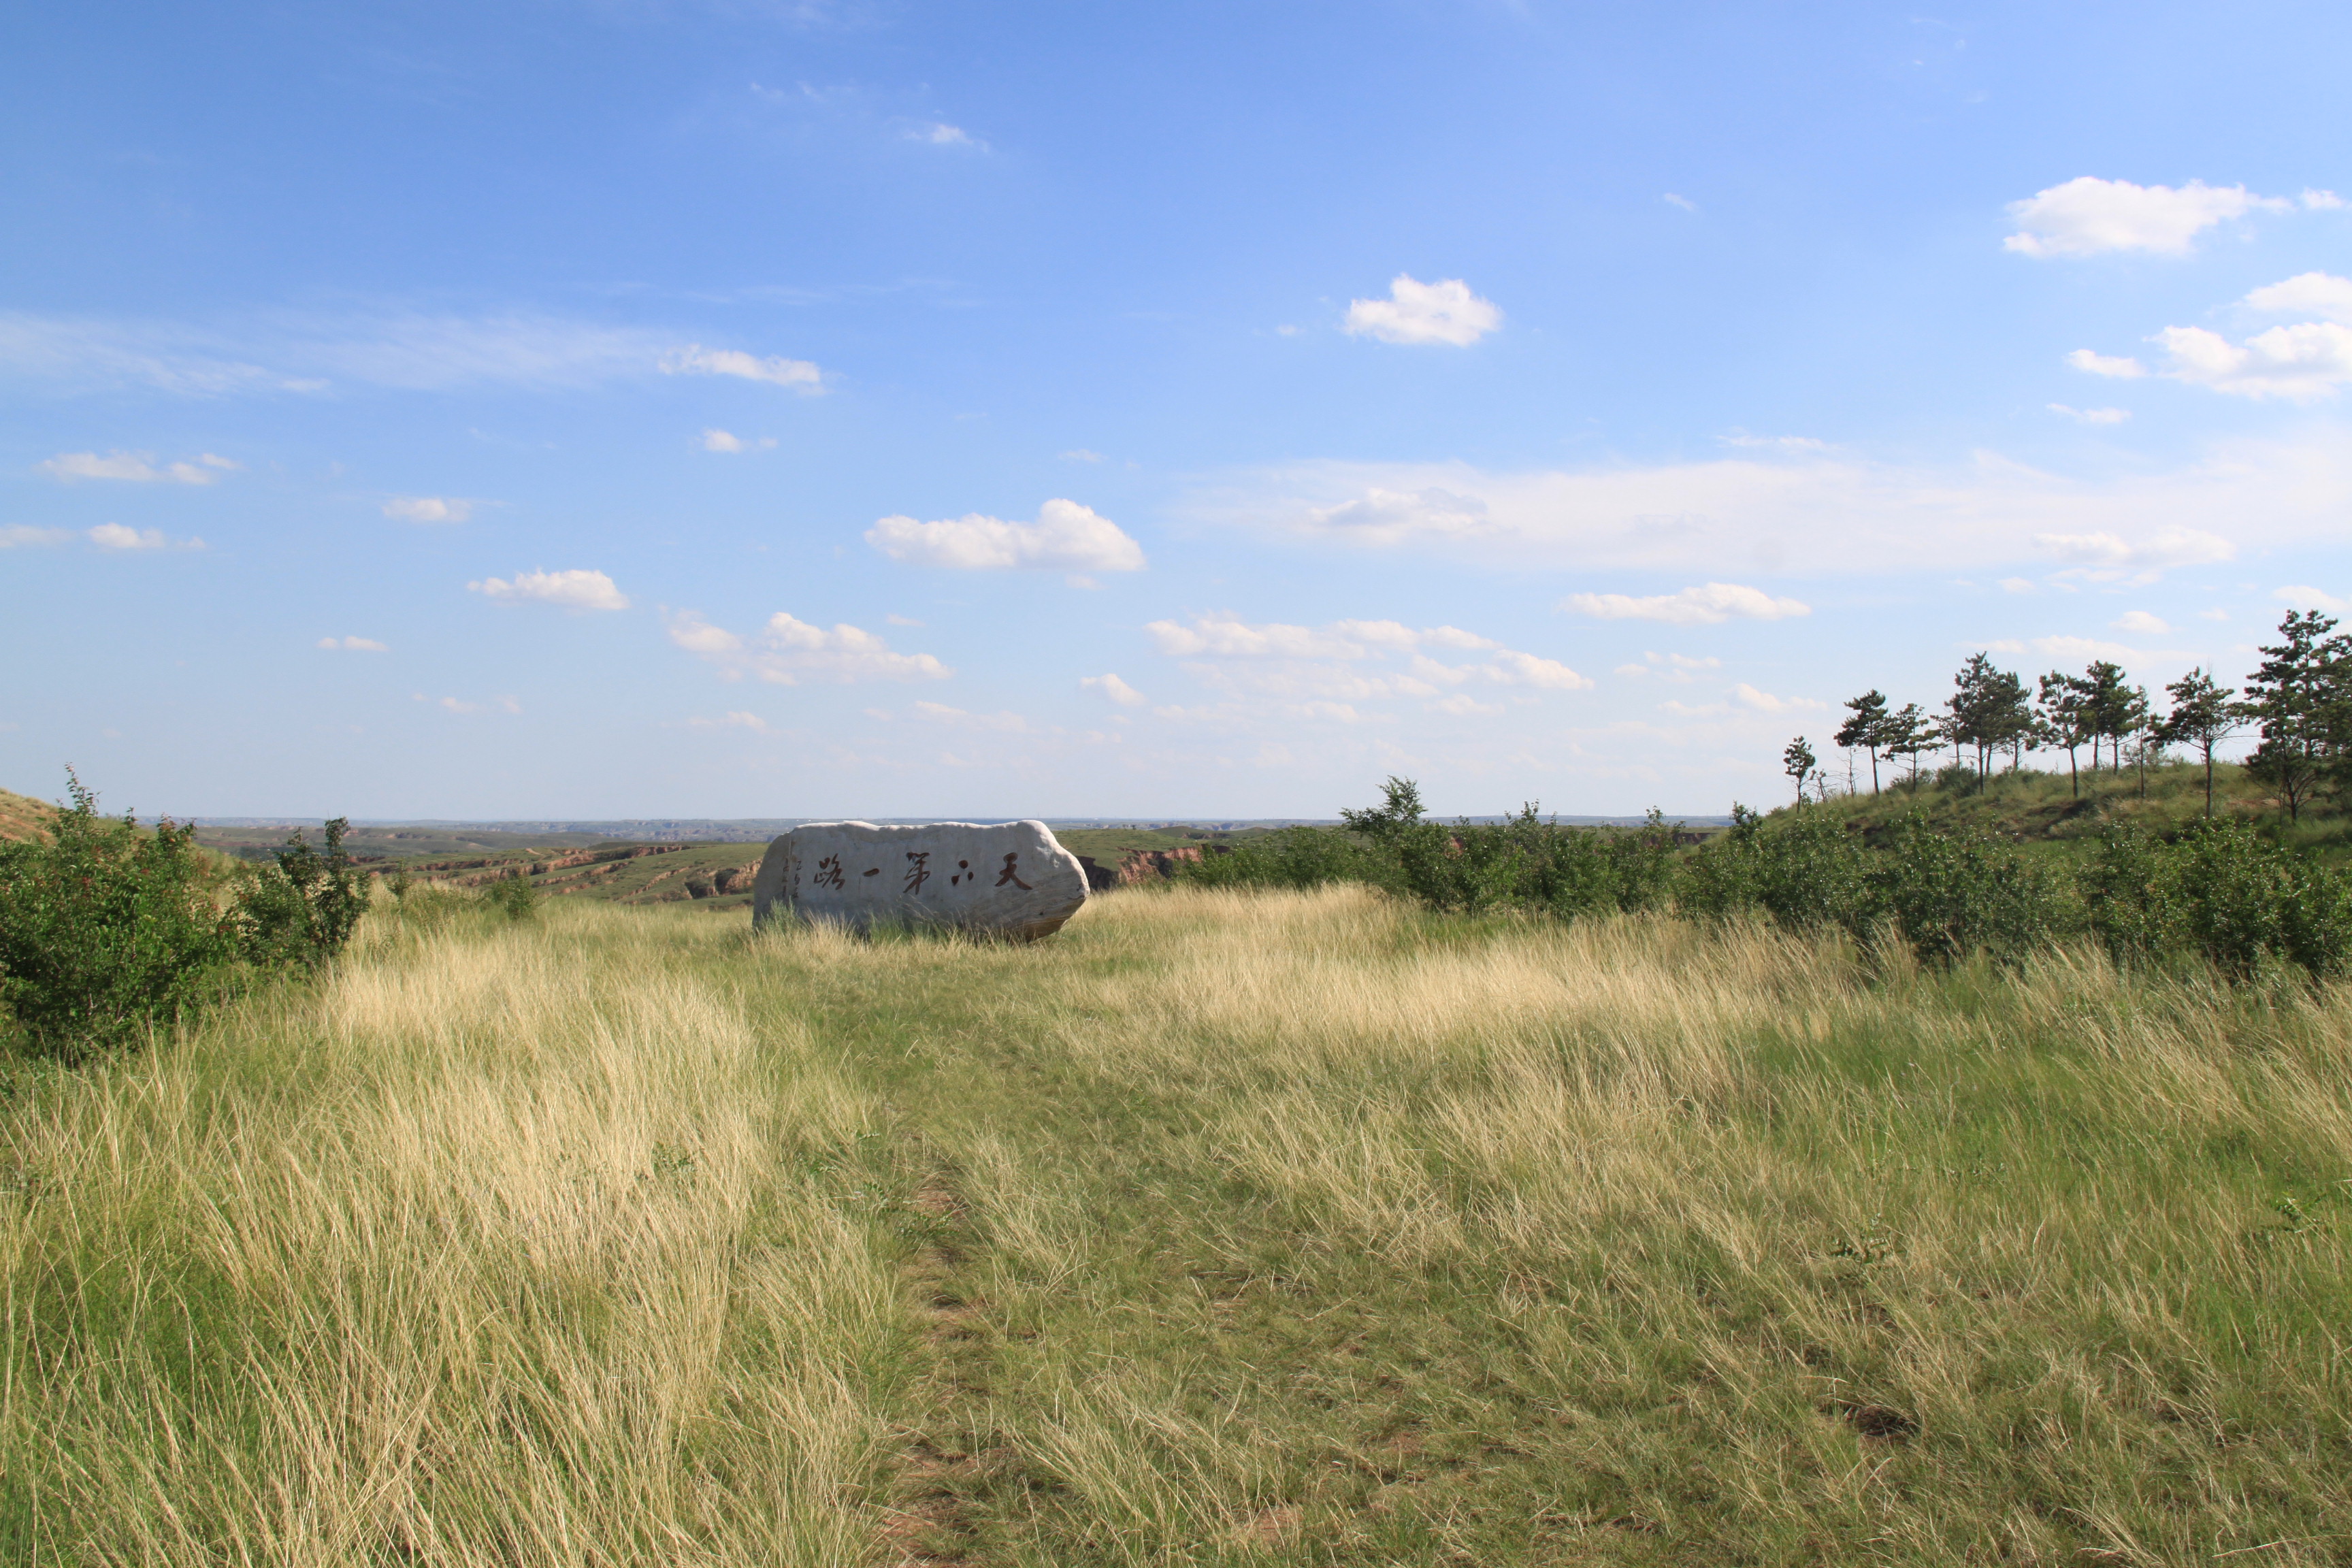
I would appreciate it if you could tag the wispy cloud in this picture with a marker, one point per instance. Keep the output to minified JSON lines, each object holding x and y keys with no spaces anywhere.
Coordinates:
{"x":798,"y":374}
{"x":577,"y":589}
{"x":1066,"y":537}
{"x":14,"y":535}
{"x":1707,"y":603}
{"x":735,"y":718}
{"x":312,"y":353}
{"x":788,"y":651}
{"x":2092,"y":415}
{"x":428,"y":509}
{"x":354,"y":644}
{"x":939,"y":134}
{"x":1349,"y":662}
{"x":1007,"y":723}
{"x":486,"y":705}
{"x":728,"y":441}
{"x":137,"y":466}
{"x":1445,"y":311}
{"x":115,"y":536}
{"x":1824,"y":514}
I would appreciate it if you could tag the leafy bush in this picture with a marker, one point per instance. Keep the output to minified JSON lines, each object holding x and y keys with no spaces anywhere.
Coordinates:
{"x":514,"y":897}
{"x":302,"y":908}
{"x":1952,"y":894}
{"x":2224,"y":890}
{"x":106,"y":931}
{"x":1523,"y":863}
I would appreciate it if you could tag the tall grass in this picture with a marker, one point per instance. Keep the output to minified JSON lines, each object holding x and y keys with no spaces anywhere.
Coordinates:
{"x":500,"y":1247}
{"x":1225,"y":1227}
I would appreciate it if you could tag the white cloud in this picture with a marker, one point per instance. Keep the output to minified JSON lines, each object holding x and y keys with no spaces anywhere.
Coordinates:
{"x":940,"y":134}
{"x":728,"y":441}
{"x":2321,"y":201}
{"x":2093,"y":416}
{"x":2316,"y":293}
{"x":1748,"y":696}
{"x":2303,"y":597}
{"x":1685,"y":202}
{"x":2162,"y":551}
{"x":114,"y":536}
{"x":1831,"y":514}
{"x":1325,"y":663}
{"x":1444,"y":311}
{"x":428,"y":509}
{"x":1007,"y":723}
{"x":1708,"y":603}
{"x":788,"y":651}
{"x":695,"y":359}
{"x":1081,"y":454}
{"x":2212,"y":615}
{"x":1066,"y":537}
{"x":2016,"y":586}
{"x":2140,"y":623}
{"x":2087,"y":216}
{"x":1632,"y":669}
{"x":2123,"y":368}
{"x":67,"y":467}
{"x":577,"y":589}
{"x":2308,"y":359}
{"x":15,"y":533}
{"x":492,"y":705}
{"x":354,"y":644}
{"x":1112,"y":686}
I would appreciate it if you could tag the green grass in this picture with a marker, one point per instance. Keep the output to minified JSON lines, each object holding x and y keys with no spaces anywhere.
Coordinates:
{"x":1219,"y":1230}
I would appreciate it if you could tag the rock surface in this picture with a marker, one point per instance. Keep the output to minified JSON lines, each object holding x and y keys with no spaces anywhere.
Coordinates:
{"x":1012,"y":877}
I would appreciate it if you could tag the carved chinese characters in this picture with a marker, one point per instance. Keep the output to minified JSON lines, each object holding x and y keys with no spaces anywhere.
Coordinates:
{"x":1010,"y":877}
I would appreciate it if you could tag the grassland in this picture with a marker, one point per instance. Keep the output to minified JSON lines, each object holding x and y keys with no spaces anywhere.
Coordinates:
{"x":1219,"y":1229}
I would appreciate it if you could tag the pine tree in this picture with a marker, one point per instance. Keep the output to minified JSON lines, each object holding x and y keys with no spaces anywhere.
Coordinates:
{"x":2298,"y":698}
{"x":1864,"y":729}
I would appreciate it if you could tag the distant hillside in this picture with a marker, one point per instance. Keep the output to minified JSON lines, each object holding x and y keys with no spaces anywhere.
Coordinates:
{"x":22,"y":817}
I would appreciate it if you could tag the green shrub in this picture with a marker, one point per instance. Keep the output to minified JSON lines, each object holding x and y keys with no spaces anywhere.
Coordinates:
{"x":1953,"y":894}
{"x":302,"y":908}
{"x":1522,"y":863}
{"x":106,"y":931}
{"x":514,"y":897}
{"x":2223,"y":889}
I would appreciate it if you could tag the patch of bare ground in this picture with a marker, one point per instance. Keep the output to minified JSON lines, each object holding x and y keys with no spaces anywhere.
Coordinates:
{"x":944,"y":1464}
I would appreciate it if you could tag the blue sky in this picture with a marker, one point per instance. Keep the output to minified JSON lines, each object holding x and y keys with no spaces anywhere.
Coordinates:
{"x":792,"y":410}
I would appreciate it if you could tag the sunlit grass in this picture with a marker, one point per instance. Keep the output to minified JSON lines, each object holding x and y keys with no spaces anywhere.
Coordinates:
{"x":1221,"y":1227}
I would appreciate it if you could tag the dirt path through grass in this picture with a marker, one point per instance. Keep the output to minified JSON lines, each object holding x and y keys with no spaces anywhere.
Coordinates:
{"x":1304,"y":1229}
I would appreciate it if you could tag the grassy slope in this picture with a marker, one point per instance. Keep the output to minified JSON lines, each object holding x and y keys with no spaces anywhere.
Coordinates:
{"x":1219,"y":1230}
{"x":2051,"y":808}
{"x":22,"y":817}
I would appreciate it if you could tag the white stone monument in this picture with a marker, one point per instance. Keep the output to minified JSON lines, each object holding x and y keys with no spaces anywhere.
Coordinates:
{"x":1010,"y":877}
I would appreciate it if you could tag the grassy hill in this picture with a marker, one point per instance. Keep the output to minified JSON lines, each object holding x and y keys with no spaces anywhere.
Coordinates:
{"x":2049,"y":809}
{"x":22,"y":817}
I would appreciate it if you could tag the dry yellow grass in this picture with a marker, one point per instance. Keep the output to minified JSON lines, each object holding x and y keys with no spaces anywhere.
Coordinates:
{"x":1224,"y":1227}
{"x":497,"y":1248}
